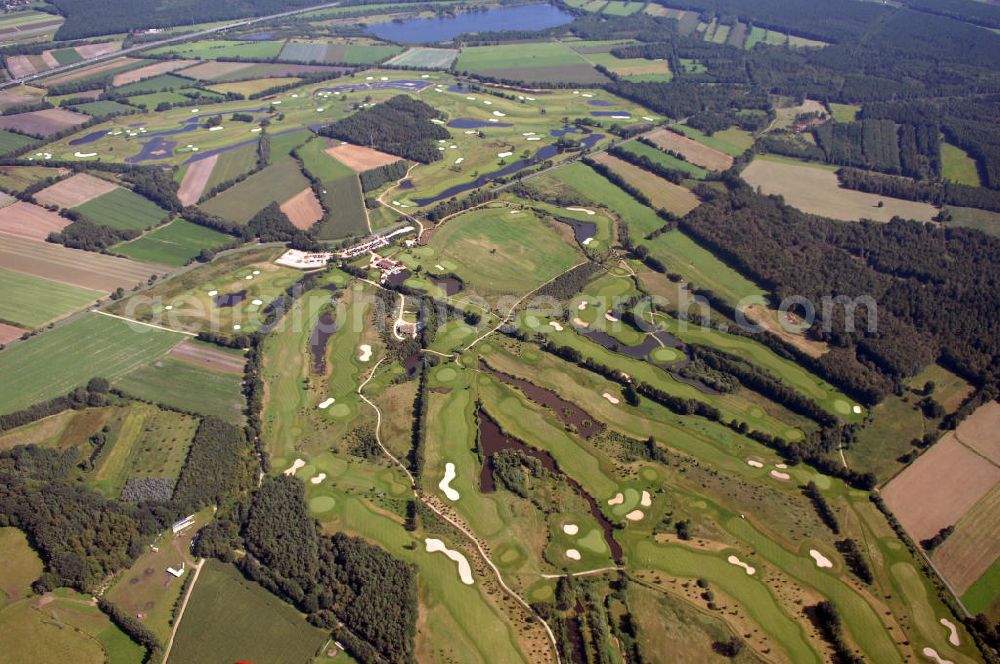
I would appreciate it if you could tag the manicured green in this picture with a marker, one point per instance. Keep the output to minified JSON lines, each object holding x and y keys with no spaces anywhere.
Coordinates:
{"x":123,"y":209}
{"x":53,"y":363}
{"x":177,"y":243}
{"x":32,"y":301}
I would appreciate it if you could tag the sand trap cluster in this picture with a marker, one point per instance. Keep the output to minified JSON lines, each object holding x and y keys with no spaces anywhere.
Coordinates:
{"x":572,"y":554}
{"x":611,"y":398}
{"x":635,"y":515}
{"x":618,"y":499}
{"x":464,"y":569}
{"x":445,"y":484}
{"x":733,"y":560}
{"x":292,"y":469}
{"x":326,"y":403}
{"x":754,"y":463}
{"x":556,"y":326}
{"x":932,"y":654}
{"x":821,"y":560}
{"x":319,"y":478}
{"x":647,"y":499}
{"x":571,"y":529}
{"x":952,"y":632}
{"x":778,"y":475}
{"x":364,"y":352}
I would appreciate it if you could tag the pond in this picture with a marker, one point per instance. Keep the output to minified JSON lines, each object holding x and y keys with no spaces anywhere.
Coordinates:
{"x":537,"y":16}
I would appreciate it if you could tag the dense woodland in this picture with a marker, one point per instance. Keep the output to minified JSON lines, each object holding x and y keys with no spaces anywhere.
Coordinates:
{"x":401,"y":126}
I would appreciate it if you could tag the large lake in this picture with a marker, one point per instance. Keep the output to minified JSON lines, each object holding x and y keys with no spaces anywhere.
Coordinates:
{"x":429,"y":30}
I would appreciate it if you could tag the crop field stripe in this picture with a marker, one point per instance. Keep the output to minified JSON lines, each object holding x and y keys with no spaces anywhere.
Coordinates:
{"x":348,"y":217}
{"x":189,"y":387}
{"x":32,"y":302}
{"x":276,"y":183}
{"x":174,"y":244}
{"x":59,"y":360}
{"x":123,"y":209}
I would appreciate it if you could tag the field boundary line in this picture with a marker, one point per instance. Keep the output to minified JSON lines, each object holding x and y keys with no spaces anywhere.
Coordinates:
{"x":458,"y":526}
{"x":180,"y":611}
{"x":139,"y":322}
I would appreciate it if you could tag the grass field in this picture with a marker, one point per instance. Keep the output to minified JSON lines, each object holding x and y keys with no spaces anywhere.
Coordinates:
{"x":661,"y":193}
{"x":177,"y":243}
{"x":983,"y":220}
{"x":232,"y":164}
{"x":958,"y":166}
{"x":225,"y":609}
{"x":343,"y":192}
{"x":32,"y":302}
{"x":211,"y":49}
{"x":19,"y":178}
{"x":626,"y":8}
{"x":664,"y":159}
{"x":493,"y":250}
{"x":124,"y":210}
{"x":844,"y":112}
{"x":103,"y":109}
{"x":541,"y":61}
{"x":11,"y":142}
{"x":248,"y":88}
{"x":21,"y":567}
{"x":701,"y":268}
{"x":276,"y":183}
{"x":155,"y":84}
{"x":732,"y":141}
{"x":187,"y":386}
{"x":640,"y":219}
{"x":54,"y":363}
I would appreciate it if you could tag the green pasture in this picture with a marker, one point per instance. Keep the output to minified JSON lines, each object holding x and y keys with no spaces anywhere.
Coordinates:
{"x":189,"y":387}
{"x":732,"y":141}
{"x":22,"y":566}
{"x":957,"y":166}
{"x":276,"y":183}
{"x":640,"y":219}
{"x":66,"y":56}
{"x":844,"y":112}
{"x":213,"y":49}
{"x":163,"y":82}
{"x":232,"y":164}
{"x":124,"y":210}
{"x":983,"y":220}
{"x":19,"y":178}
{"x":102,"y":109}
{"x":11,"y":142}
{"x":225,"y":608}
{"x":177,"y":243}
{"x":343,"y":192}
{"x":32,"y":301}
{"x":618,"y":8}
{"x":664,"y":159}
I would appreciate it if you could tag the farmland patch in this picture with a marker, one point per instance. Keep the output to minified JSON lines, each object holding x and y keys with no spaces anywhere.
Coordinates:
{"x":177,"y":243}
{"x":693,"y":151}
{"x":30,"y":221}
{"x":43,"y":123}
{"x":32,"y":302}
{"x":74,"y":191}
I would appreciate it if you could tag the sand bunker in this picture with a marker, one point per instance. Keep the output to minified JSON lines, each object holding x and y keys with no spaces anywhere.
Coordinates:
{"x":84,"y":154}
{"x":647,"y":500}
{"x":571,"y":529}
{"x":778,"y":475}
{"x":556,"y":326}
{"x":580,"y":323}
{"x":319,"y":478}
{"x":581,"y":306}
{"x":364,"y":352}
{"x":932,"y":654}
{"x":618,"y":499}
{"x":609,"y":317}
{"x":733,"y":560}
{"x":572,"y":554}
{"x":821,"y":560}
{"x":294,"y":467}
{"x":586,"y":211}
{"x":952,"y":632}
{"x":327,"y":403}
{"x":856,"y":409}
{"x":445,"y":484}
{"x":464,"y":570}
{"x":755,"y":464}
{"x":635,"y":515}
{"x":257,"y":303}
{"x":611,"y":398}
{"x":587,"y":241}
{"x":213,"y":293}
{"x":782,"y":466}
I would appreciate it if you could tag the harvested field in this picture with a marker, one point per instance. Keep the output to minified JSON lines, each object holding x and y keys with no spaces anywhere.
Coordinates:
{"x":981,"y":431}
{"x":695,"y":152}
{"x":21,"y":65}
{"x":19,"y":178}
{"x":971,"y":549}
{"x":248,"y":88}
{"x":360,"y":159}
{"x":75,"y":190}
{"x":72,"y":266}
{"x":29,"y":221}
{"x":426,"y":58}
{"x":8,"y":333}
{"x":940,"y":487}
{"x":206,"y":356}
{"x":663,"y":194}
{"x":86,"y":72}
{"x":150,"y":71}
{"x":43,"y":123}
{"x":22,"y":94}
{"x":210,"y":71}
{"x":303,"y":209}
{"x":817,"y":191}
{"x":196,"y":179}
{"x":88,"y":51}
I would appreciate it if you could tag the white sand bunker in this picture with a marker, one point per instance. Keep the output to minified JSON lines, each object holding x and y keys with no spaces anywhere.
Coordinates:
{"x":930,"y":653}
{"x":213,"y":293}
{"x":572,"y":554}
{"x":464,"y":570}
{"x":635,"y":515}
{"x":782,"y":466}
{"x":84,"y":154}
{"x":319,"y":478}
{"x":571,"y":529}
{"x":778,"y":475}
{"x":609,"y":317}
{"x":257,"y":303}
{"x":857,"y":409}
{"x":611,"y":398}
{"x":556,"y":326}
{"x":754,"y":463}
{"x":618,"y":499}
{"x":647,"y":499}
{"x":364,"y":352}
{"x":445,"y":484}
{"x":587,"y":241}
{"x":580,"y":323}
{"x":733,"y":560}
{"x":586,"y":211}
{"x":952,"y":632}
{"x":821,"y":560}
{"x":326,"y":403}
{"x":581,"y":306}
{"x":291,"y":470}
{"x":237,"y":326}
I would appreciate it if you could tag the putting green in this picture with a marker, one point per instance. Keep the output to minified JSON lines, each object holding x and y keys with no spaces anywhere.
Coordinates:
{"x":842,"y":407}
{"x":322,"y":504}
{"x":339,"y":410}
{"x":794,"y":434}
{"x":593,"y":541}
{"x":665,"y":355}
{"x":631,"y":500}
{"x":446,"y":374}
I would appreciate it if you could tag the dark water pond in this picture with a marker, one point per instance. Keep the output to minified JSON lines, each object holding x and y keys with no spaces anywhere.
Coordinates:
{"x":450,"y":285}
{"x":469,"y":123}
{"x":325,"y":327}
{"x":413,"y":84}
{"x":493,"y":440}
{"x":429,"y":30}
{"x":230,"y":299}
{"x":406,"y":184}
{"x":608,"y":114}
{"x":581,"y":229}
{"x":599,"y":102}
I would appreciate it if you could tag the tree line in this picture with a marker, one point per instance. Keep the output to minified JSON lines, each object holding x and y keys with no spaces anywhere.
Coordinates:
{"x":401,"y":126}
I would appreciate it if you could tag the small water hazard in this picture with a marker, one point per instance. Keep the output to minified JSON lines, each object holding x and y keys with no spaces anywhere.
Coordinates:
{"x":325,"y":327}
{"x":229,"y":299}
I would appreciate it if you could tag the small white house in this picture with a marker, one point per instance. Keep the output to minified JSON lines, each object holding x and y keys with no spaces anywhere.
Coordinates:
{"x":176,"y":572}
{"x":183,"y":524}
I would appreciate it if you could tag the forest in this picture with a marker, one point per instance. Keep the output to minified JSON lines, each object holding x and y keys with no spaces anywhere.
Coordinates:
{"x":401,"y":126}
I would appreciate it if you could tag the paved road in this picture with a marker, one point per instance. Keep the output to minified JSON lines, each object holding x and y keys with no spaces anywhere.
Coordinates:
{"x":163,"y":42}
